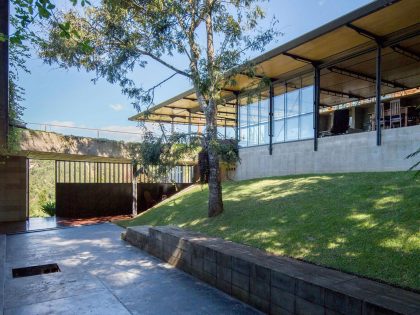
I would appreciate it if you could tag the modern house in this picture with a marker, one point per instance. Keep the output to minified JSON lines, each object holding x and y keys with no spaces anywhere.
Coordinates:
{"x":343,"y":97}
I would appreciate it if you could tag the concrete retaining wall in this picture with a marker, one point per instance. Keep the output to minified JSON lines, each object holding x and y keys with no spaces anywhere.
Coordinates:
{"x":13,"y":188}
{"x":273,"y":284}
{"x":346,"y":153}
{"x":37,"y":144}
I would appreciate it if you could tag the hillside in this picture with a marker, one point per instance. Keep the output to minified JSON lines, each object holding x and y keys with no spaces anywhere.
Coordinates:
{"x":364,"y":223}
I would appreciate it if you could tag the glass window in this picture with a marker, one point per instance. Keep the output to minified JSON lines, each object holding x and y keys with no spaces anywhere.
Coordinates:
{"x":307,"y":100}
{"x":243,"y":116}
{"x":292,"y":129}
{"x":230,"y":133}
{"x":264,"y":110}
{"x":278,"y":132}
{"x":243,"y":137}
{"x":292,"y":103}
{"x":264,"y":139}
{"x":278,"y":106}
{"x":253,"y":135}
{"x":306,"y":126}
{"x":253,"y":113}
{"x":263,"y":121}
{"x":243,"y":123}
{"x":292,"y":118}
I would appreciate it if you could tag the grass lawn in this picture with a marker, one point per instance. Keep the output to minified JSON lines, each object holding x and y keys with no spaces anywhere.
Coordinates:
{"x":365,"y":223}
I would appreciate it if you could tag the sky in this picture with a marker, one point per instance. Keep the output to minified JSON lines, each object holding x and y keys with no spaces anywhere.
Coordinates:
{"x":70,"y":98}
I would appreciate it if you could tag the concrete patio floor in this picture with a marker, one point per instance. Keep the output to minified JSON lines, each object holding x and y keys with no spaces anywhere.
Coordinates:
{"x":101,"y":274}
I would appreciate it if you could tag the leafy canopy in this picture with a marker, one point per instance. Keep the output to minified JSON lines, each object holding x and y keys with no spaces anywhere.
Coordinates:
{"x":119,"y":37}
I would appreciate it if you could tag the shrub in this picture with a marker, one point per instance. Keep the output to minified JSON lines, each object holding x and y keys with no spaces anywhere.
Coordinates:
{"x":49,"y":208}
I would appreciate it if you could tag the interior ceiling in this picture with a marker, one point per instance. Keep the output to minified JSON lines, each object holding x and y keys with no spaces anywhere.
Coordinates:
{"x":397,"y":19}
{"x":401,"y":70}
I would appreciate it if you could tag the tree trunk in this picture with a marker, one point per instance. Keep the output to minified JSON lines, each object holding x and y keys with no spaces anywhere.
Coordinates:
{"x":215,"y":186}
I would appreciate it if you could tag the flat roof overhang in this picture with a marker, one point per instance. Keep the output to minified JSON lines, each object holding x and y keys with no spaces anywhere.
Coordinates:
{"x":353,"y":35}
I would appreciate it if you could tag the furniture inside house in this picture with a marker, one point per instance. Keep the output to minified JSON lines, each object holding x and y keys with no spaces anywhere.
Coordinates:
{"x":340,"y":122}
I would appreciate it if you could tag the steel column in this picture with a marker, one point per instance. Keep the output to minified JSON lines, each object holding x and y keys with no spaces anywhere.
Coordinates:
{"x":378,"y":94}
{"x":317,"y":84}
{"x":189,"y":125}
{"x":134,"y":188}
{"x":4,"y":73}
{"x":270,"y":120}
{"x":237,"y":117}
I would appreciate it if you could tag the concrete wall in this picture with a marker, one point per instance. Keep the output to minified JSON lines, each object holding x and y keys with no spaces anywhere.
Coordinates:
{"x":346,"y":153}
{"x":77,"y":200}
{"x":273,"y":284}
{"x":53,"y":146}
{"x":13,"y":188}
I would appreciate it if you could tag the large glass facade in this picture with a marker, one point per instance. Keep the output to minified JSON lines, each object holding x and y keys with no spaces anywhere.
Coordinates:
{"x":292,"y":117}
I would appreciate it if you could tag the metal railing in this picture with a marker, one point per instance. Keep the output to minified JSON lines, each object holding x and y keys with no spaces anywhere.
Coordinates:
{"x":88,"y":132}
{"x":83,"y":172}
{"x":181,"y":174}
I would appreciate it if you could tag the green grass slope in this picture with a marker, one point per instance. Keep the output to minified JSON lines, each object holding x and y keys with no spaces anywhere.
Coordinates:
{"x":365,"y":223}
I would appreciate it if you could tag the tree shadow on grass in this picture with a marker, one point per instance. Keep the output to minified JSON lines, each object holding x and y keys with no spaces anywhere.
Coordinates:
{"x":365,"y":223}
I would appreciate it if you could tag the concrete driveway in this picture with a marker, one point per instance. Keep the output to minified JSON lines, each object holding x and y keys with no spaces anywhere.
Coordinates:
{"x":100,"y":274}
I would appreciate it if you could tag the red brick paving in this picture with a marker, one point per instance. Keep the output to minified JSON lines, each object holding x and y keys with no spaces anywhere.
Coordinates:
{"x":33,"y":224}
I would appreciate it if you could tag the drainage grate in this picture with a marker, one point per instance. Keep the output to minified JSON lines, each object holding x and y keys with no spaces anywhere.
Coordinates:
{"x":35,"y":270}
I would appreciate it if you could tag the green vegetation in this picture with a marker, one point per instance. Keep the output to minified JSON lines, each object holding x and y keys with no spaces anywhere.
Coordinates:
{"x":49,"y":208}
{"x":41,"y":186}
{"x":365,"y":223}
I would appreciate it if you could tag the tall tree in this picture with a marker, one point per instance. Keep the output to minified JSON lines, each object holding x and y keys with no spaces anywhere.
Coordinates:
{"x":212,"y":37}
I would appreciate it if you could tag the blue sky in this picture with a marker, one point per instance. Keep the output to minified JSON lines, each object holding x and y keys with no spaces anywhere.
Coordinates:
{"x":68,"y":97}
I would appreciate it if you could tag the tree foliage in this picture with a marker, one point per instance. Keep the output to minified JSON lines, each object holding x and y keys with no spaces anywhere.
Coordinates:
{"x":156,"y":155}
{"x":18,"y":54}
{"x":212,"y":38}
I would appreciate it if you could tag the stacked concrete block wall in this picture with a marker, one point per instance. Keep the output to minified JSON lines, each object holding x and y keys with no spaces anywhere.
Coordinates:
{"x":346,"y":153}
{"x":273,"y":284}
{"x":13,"y":188}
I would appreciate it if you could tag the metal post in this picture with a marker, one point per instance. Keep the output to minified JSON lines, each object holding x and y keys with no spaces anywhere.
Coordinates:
{"x":225,"y":129}
{"x":4,"y":73}
{"x":317,"y":84}
{"x":134,"y":189}
{"x":189,"y":125}
{"x":172,"y":126}
{"x":378,"y":94}
{"x":237,"y":118}
{"x":270,"y":120}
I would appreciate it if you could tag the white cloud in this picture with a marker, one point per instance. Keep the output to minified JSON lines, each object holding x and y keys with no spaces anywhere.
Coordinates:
{"x":117,"y":107}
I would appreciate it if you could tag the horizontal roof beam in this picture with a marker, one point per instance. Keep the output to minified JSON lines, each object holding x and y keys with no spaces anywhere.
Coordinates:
{"x":406,"y":52}
{"x":197,"y":116}
{"x":195,"y":100}
{"x":365,"y":33}
{"x":339,"y":94}
{"x":364,"y":77}
{"x":301,"y":59}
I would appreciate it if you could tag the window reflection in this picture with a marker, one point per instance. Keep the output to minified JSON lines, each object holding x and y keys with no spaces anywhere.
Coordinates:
{"x":306,"y":126}
{"x":292,"y":103}
{"x":292,"y":129}
{"x":292,"y":117}
{"x":307,"y":100}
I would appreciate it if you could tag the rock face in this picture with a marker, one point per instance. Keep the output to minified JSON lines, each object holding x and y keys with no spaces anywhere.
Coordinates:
{"x":50,"y":145}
